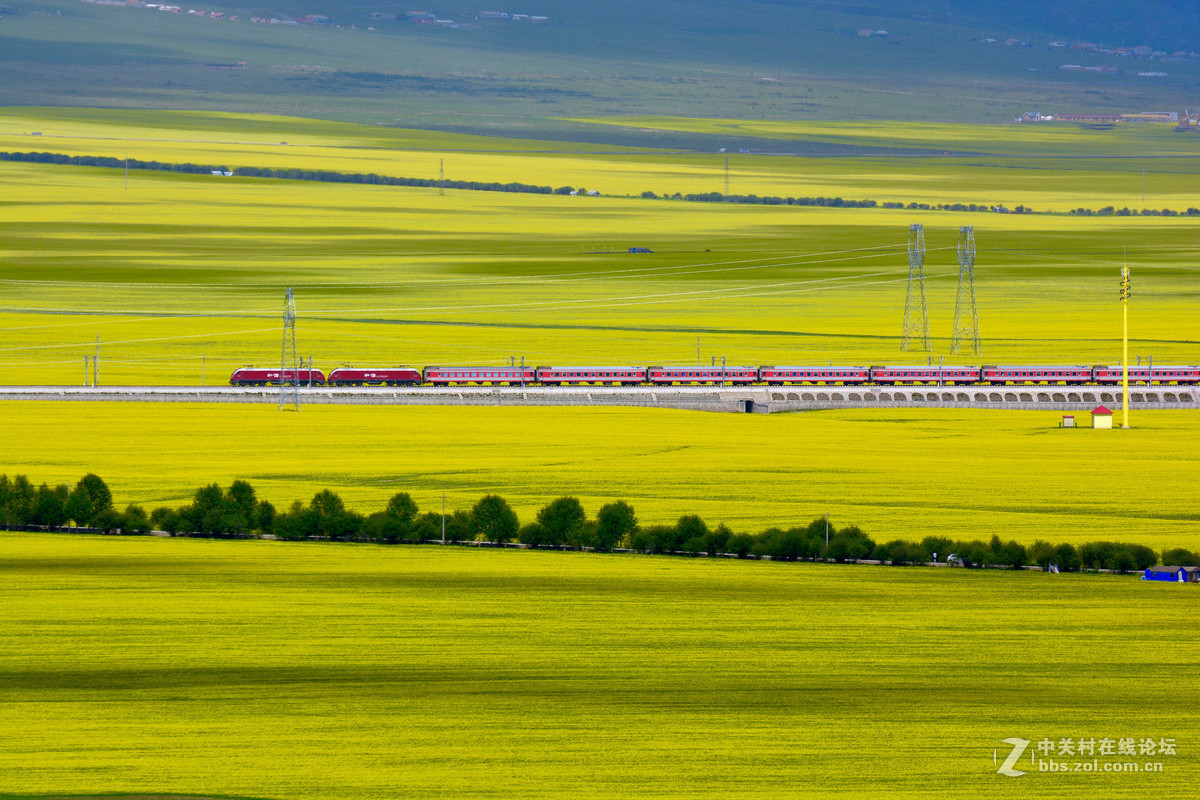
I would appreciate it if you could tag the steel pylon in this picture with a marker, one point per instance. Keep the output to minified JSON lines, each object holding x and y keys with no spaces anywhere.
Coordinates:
{"x":966,"y":312}
{"x":289,"y":362}
{"x":916,"y":313}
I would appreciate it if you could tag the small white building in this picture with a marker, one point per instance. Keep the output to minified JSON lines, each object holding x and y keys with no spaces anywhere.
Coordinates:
{"x":1102,"y":418}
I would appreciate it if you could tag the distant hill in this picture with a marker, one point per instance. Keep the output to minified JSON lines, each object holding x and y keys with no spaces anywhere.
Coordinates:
{"x":516,"y":68}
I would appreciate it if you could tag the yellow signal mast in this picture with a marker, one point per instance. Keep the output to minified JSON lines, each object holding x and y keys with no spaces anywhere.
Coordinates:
{"x":1125,"y":344}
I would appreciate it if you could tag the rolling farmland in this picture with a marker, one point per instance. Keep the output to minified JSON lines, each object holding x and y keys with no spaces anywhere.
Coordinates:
{"x":181,"y":276}
{"x":318,"y":671}
{"x":897,"y":473}
{"x":179,"y":279}
{"x":169,"y":666}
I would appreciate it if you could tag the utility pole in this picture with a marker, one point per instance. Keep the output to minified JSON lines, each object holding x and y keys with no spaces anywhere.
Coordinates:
{"x":1125,"y":345}
{"x":96,"y":364}
{"x":522,"y":372}
{"x":85,"y":363}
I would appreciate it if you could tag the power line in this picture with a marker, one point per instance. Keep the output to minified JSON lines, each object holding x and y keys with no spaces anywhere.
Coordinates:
{"x":535,"y":304}
{"x":753,"y":263}
{"x":136,"y":341}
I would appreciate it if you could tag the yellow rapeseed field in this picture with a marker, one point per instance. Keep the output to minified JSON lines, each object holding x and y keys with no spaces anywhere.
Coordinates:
{"x":355,"y":672}
{"x":179,"y":279}
{"x":182,"y":277}
{"x":1044,"y":167}
{"x":897,"y":473}
{"x":327,"y":671}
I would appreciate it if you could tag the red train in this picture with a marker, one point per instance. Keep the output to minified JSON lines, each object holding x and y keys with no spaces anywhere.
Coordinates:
{"x":727,"y":376}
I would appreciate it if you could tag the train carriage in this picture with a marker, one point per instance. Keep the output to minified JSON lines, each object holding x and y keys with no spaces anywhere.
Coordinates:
{"x":1036,"y":374}
{"x":450,"y":376}
{"x":1145,"y":373}
{"x":777,"y":376}
{"x":385,"y":376}
{"x":252,"y":376}
{"x":559,"y":376}
{"x":665,"y":376}
{"x":897,"y":376}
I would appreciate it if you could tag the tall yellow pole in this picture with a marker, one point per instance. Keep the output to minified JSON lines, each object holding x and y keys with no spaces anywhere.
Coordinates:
{"x":1125,"y":345}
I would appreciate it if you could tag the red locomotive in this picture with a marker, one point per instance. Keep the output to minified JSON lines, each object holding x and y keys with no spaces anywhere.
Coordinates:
{"x":251,"y":376}
{"x":389,"y":376}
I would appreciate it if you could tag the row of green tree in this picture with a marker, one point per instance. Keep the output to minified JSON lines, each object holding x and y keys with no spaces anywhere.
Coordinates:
{"x":287,"y":174}
{"x":527,"y":188}
{"x":87,"y":504}
{"x":764,"y":200}
{"x":106,"y":161}
{"x":1109,"y":211}
{"x":838,"y":202}
{"x":237,"y":512}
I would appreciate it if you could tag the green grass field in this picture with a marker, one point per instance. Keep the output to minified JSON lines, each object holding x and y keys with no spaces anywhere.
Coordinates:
{"x":316,"y":671}
{"x":896,"y":473}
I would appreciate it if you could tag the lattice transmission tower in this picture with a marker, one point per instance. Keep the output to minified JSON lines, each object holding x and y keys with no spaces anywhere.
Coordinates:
{"x":966,"y":313}
{"x":916,"y":313}
{"x":289,"y":366}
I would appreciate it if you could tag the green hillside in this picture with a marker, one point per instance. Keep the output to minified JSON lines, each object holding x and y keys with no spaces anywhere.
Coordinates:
{"x":729,"y":58}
